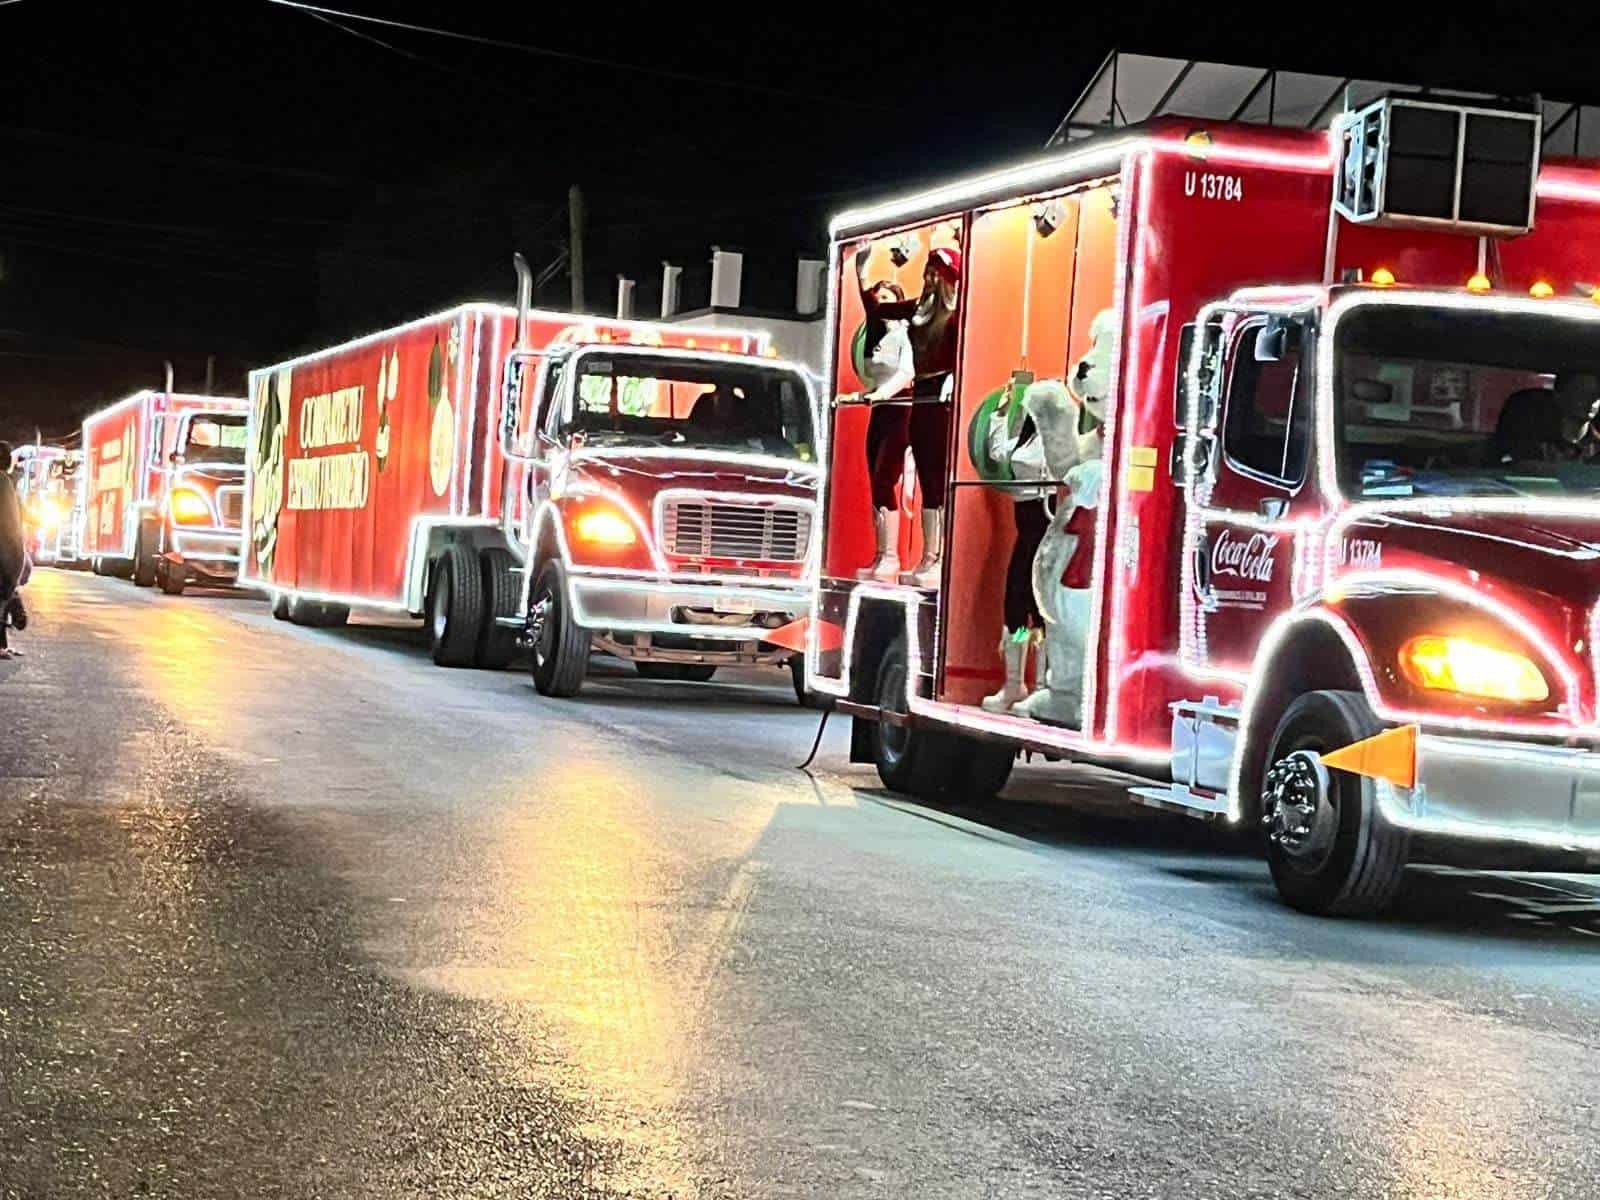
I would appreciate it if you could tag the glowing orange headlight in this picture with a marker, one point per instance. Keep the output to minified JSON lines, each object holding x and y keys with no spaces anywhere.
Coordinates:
{"x":1471,"y":668}
{"x":604,"y":527}
{"x":189,"y":507}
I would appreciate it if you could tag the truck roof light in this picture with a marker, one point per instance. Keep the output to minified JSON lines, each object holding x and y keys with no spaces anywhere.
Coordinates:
{"x":1479,"y":283}
{"x":1541,"y":290}
{"x":1383,"y":277}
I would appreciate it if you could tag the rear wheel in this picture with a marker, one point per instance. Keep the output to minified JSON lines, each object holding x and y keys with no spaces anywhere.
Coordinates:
{"x":1330,"y":848}
{"x":315,"y":614}
{"x":497,"y":643}
{"x":681,"y":672}
{"x":560,"y":647}
{"x":930,"y":762}
{"x":144,"y":556}
{"x":280,"y":605}
{"x":455,"y":607}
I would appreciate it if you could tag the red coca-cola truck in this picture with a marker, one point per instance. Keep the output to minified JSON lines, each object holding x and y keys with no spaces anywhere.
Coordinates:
{"x":1262,"y":463}
{"x":162,"y":489}
{"x":571,"y":482}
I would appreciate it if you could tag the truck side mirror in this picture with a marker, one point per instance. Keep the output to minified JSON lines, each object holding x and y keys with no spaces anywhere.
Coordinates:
{"x":175,"y":459}
{"x":1278,"y":339}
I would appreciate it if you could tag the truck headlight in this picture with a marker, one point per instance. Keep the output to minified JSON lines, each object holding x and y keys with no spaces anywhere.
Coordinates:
{"x":189,"y":507}
{"x":604,"y":527}
{"x":1457,"y":664}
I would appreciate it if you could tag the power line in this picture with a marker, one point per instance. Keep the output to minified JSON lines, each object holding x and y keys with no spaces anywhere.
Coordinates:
{"x":574,"y":57}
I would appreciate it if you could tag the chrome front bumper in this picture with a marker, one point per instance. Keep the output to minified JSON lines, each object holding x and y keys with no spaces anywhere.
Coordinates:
{"x":212,"y":552}
{"x":631,"y":605}
{"x":1493,"y":791}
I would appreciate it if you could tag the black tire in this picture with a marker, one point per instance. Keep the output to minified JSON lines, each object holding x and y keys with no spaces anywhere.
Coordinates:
{"x":916,"y":761}
{"x":984,"y":768}
{"x":314,"y":614}
{"x":144,"y":558}
{"x":1360,"y":872}
{"x":97,"y":566}
{"x":931,"y":763}
{"x":561,"y":652}
{"x":455,"y":607}
{"x":807,"y":698}
{"x":280,"y":605}
{"x":173,"y":579}
{"x":677,"y":672}
{"x":497,"y":643}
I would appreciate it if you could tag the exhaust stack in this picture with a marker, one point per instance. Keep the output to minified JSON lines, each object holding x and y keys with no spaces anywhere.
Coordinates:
{"x":524,"y":297}
{"x":169,"y":377}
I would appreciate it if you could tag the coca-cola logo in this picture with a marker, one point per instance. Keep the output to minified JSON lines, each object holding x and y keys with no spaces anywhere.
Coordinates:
{"x":1244,"y":558}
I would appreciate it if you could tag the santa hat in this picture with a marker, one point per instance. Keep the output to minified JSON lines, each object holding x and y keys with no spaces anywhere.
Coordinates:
{"x":946,"y":261}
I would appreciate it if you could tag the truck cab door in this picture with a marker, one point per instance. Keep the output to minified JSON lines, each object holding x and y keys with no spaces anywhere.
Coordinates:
{"x":1249,"y":466}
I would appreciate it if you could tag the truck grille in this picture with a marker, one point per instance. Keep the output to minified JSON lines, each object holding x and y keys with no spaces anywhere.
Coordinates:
{"x":708,"y":529}
{"x":230,"y":504}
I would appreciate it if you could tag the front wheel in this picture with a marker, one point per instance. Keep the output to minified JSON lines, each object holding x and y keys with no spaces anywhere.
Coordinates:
{"x":560,"y":646}
{"x":806,"y":697}
{"x":1329,"y":846}
{"x":173,"y":579}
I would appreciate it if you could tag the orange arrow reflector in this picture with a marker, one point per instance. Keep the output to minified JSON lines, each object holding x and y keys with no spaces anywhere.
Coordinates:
{"x":793,"y":635}
{"x":1390,"y":755}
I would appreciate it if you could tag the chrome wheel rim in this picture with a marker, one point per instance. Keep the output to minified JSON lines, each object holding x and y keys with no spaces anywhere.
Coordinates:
{"x":1300,"y":808}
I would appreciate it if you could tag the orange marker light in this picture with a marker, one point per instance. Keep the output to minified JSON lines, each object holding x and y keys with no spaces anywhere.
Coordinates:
{"x":1541,"y":291}
{"x":1383,"y":277}
{"x":602,"y":527}
{"x":1479,"y":283}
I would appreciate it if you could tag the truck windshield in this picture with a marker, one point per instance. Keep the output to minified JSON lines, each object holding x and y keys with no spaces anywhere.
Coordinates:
{"x":1447,"y":402}
{"x":631,"y":400}
{"x":215,"y":438}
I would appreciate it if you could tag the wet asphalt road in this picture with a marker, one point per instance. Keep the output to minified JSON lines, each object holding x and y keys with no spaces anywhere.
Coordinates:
{"x":294,"y":913}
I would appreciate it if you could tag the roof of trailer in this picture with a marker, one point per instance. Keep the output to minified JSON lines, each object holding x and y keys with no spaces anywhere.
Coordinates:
{"x":1129,"y":89}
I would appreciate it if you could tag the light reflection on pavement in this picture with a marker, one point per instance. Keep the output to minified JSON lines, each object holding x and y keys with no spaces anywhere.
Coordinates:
{"x":434,"y":933}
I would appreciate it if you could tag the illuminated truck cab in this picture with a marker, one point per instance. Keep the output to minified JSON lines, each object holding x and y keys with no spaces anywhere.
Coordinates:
{"x":162,"y":487}
{"x":197,"y":528}
{"x":1315,"y":557}
{"x":671,"y":498}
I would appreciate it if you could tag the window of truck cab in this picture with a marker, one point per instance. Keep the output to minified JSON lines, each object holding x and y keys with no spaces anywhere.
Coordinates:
{"x":215,"y":438}
{"x":1450,"y":402}
{"x":647,"y":401}
{"x":1266,"y":425}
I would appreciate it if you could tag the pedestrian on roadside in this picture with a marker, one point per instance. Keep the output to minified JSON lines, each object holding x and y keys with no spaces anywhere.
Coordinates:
{"x":13,"y":554}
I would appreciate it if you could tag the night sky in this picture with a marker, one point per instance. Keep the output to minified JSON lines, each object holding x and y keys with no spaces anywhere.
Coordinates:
{"x":242,"y":179}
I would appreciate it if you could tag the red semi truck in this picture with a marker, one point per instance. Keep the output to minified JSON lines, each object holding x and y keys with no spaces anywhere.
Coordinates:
{"x":1266,"y":467}
{"x":404,"y":472}
{"x":163,"y":488}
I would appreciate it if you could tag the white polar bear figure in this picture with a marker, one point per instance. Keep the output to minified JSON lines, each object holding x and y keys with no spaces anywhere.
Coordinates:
{"x":1072,"y":442}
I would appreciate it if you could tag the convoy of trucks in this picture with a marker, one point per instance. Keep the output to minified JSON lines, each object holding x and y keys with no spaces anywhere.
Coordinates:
{"x":1259,"y":463}
{"x":47,"y":480}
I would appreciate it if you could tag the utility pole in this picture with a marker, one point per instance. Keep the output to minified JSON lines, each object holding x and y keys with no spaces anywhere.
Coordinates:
{"x":575,"y":244}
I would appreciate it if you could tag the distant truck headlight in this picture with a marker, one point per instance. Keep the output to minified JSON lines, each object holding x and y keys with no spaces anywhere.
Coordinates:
{"x":189,"y":507}
{"x":1471,"y":668}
